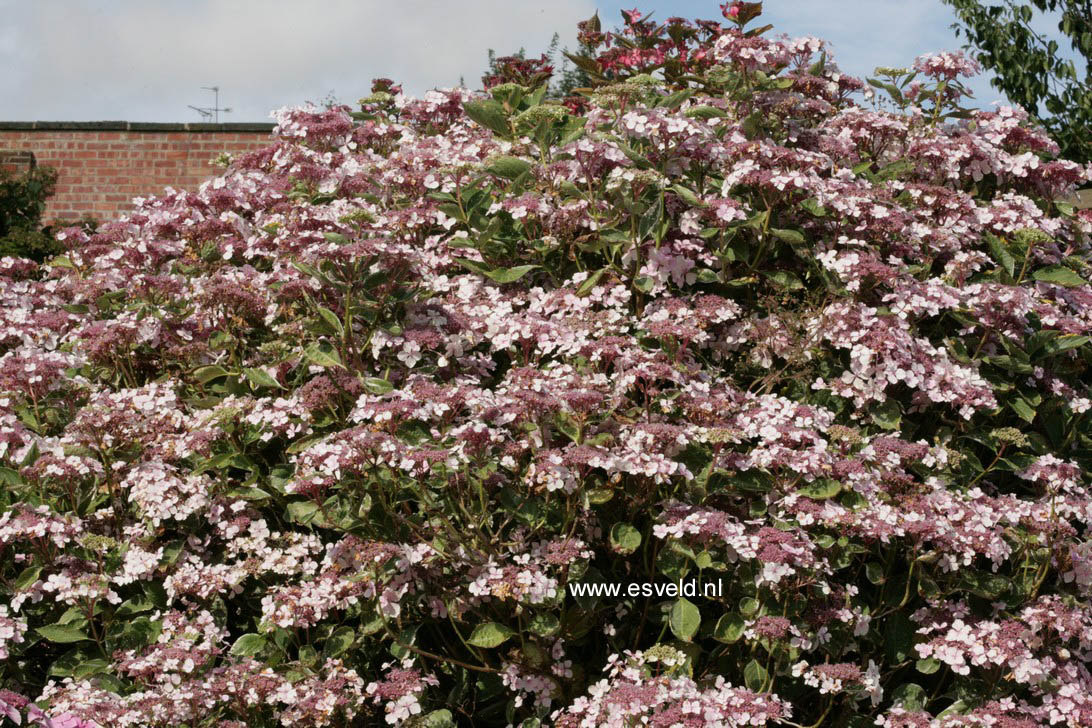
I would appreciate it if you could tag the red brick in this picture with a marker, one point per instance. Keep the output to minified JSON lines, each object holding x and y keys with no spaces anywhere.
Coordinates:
{"x":100,"y":171}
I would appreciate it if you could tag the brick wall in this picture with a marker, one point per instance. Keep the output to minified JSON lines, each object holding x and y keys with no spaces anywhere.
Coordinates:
{"x":16,"y":162}
{"x":102,"y":165}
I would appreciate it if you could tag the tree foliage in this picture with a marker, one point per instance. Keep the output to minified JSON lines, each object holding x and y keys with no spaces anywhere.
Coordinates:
{"x":1030,"y":67}
{"x":22,"y":204}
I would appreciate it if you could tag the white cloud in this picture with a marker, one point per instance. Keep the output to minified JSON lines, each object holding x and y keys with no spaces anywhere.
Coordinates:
{"x":139,"y":60}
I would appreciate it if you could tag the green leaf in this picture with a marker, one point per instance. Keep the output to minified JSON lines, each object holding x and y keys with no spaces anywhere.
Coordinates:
{"x":27,"y":577}
{"x":792,"y":237}
{"x":589,"y":283}
{"x":1009,"y":364}
{"x":887,"y":414}
{"x":754,"y":481}
{"x":303,"y":511}
{"x":751,"y":126}
{"x":250,"y":494}
{"x":336,"y":238}
{"x":687,"y":195}
{"x":910,"y":695}
{"x":490,"y":114}
{"x":331,"y":319}
{"x":785,"y":279}
{"x":570,"y":190}
{"x":510,"y":275}
{"x":568,"y":426}
{"x":204,"y":375}
{"x":821,"y":489}
{"x":1065,"y":342}
{"x":309,"y":270}
{"x":323,"y":354}
{"x":898,"y":637}
{"x":812,"y":205}
{"x":302,"y":444}
{"x":489,"y":635}
{"x":1001,"y":254}
{"x":375,"y":385}
{"x":959,"y":707}
{"x":706,"y":112}
{"x":862,"y":167}
{"x":248,"y":645}
{"x":649,"y":224}
{"x":473,"y":266}
{"x":632,"y":154}
{"x":729,"y":628}
{"x":62,"y":633}
{"x":441,"y":718}
{"x":927,"y":666}
{"x":599,"y":496}
{"x":500,"y":275}
{"x":64,"y":665}
{"x":544,"y":625}
{"x":754,"y":675}
{"x":372,"y":626}
{"x":894,"y":169}
{"x":365,"y":506}
{"x":1022,"y":408}
{"x":508,"y":167}
{"x":452,"y":210}
{"x":574,"y":128}
{"x":675,"y":100}
{"x":88,"y":668}
{"x":624,"y":538}
{"x":758,"y":220}
{"x":987,"y":586}
{"x":590,"y":65}
{"x":261,"y":378}
{"x":134,"y":606}
{"x":874,"y":572}
{"x":340,"y":640}
{"x":1059,"y":275}
{"x":643,"y":284}
{"x":685,"y":619}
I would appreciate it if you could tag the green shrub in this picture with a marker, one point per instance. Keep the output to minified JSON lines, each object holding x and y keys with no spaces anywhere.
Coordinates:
{"x":22,"y":203}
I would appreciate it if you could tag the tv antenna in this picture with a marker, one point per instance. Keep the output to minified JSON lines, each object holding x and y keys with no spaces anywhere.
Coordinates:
{"x":211,"y":113}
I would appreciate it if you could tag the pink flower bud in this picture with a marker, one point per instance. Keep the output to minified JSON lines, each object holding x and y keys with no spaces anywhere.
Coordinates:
{"x":730,"y":10}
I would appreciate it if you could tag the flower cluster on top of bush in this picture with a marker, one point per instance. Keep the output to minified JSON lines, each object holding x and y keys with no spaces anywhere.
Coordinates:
{"x":326,"y":442}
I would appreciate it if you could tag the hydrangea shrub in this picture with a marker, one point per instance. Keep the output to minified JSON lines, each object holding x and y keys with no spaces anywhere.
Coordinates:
{"x":330,"y":441}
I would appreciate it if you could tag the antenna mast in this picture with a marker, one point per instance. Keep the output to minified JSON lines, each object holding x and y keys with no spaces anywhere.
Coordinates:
{"x":211,"y":113}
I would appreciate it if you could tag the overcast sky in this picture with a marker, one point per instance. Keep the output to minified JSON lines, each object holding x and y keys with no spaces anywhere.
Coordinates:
{"x":146,"y":60}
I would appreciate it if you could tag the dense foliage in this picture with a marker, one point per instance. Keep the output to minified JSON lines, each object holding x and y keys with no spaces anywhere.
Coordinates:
{"x":1029,"y":66}
{"x":22,"y":204}
{"x":329,"y":441}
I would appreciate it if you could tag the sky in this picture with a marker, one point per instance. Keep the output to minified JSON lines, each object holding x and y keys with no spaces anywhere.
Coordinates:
{"x":147,"y":60}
